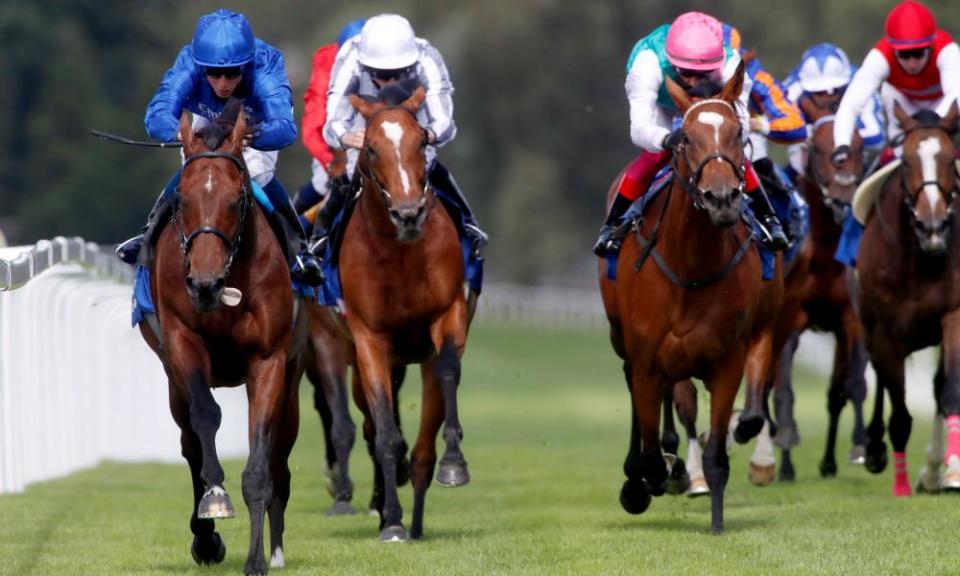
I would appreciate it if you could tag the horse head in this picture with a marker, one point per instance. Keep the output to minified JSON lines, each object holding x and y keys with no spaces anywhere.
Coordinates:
{"x":709,"y":160}
{"x":836,"y":184}
{"x":213,"y":200}
{"x":929,"y":175}
{"x":393,"y":160}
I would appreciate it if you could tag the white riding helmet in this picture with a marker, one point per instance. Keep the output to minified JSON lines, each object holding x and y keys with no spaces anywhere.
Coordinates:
{"x":824,"y":68}
{"x":387,"y":42}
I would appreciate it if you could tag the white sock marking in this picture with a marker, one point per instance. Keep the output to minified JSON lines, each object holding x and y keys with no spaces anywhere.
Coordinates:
{"x":394,"y":132}
{"x":927,"y":150}
{"x":276,"y":561}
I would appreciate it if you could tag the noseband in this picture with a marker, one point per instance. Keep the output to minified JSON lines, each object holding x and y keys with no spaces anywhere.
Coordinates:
{"x":233,"y":243}
{"x":691,"y":184}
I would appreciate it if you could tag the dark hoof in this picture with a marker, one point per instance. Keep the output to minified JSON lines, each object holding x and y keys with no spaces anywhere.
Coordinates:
{"x":256,"y":567}
{"x":634,"y":497}
{"x":393,"y":534}
{"x":452,"y":475}
{"x":747,"y":428}
{"x":828,"y":468}
{"x":716,"y":529}
{"x":215,"y":504}
{"x":787,"y":473}
{"x":876,"y":459}
{"x":341,"y":508}
{"x":212,"y":551}
{"x":678,"y":479}
{"x":858,"y":455}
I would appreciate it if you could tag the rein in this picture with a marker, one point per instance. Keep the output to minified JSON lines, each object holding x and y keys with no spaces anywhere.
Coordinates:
{"x":233,"y":243}
{"x":822,"y":183}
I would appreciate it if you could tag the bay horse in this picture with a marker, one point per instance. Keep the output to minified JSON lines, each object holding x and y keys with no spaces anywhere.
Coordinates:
{"x":227,"y":316}
{"x":701,"y":309}
{"x":824,"y":300}
{"x":402,"y":273}
{"x":909,"y":288}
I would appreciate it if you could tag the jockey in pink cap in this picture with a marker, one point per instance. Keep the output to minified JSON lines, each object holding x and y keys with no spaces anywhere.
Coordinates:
{"x":691,"y":52}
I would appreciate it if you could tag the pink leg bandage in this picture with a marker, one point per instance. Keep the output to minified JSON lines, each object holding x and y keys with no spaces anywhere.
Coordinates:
{"x":953,"y":438}
{"x":901,"y":483}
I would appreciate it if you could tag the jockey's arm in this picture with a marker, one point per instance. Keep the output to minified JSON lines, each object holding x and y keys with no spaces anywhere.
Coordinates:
{"x":870,"y":123}
{"x":162,"y":119}
{"x":863,"y":86}
{"x":439,"y":100}
{"x":344,"y":80}
{"x":642,"y":85}
{"x":271,"y":87}
{"x":948,"y":62}
{"x":315,"y":105}
{"x":784,"y":124}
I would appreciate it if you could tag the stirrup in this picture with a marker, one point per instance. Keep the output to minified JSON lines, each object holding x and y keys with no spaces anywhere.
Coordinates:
{"x":477,"y":237}
{"x":317,"y":246}
{"x":307,"y":270}
{"x":129,"y":250}
{"x":606,"y":245}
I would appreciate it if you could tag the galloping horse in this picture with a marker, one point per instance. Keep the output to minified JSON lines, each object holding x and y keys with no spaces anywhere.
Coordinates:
{"x":402,"y":274}
{"x":825,"y":300}
{"x":227,"y":315}
{"x":701,"y":308}
{"x":909,"y":262}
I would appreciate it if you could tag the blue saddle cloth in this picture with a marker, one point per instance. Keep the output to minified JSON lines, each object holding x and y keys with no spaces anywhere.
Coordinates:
{"x":331,"y":293}
{"x":660,"y":182}
{"x":849,"y":244}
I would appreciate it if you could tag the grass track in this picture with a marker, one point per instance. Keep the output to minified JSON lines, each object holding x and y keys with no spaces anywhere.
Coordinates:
{"x":545,"y":433}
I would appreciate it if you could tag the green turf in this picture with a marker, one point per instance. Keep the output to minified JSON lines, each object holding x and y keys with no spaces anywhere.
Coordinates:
{"x":546,"y":432}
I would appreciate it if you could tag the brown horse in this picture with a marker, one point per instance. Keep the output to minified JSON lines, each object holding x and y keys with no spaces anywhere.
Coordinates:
{"x":227,"y":316}
{"x":909,"y":285}
{"x":701,"y":308}
{"x":824,"y":300}
{"x":402,"y":274}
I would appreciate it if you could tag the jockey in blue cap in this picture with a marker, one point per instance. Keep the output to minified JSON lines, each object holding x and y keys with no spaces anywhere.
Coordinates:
{"x":226,"y":60}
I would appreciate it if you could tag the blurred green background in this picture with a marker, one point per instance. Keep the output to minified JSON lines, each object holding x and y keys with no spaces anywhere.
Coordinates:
{"x":542,"y":115}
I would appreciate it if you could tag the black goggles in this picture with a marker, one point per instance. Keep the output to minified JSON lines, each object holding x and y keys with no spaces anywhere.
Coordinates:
{"x":386,"y":75}
{"x":692,"y":74}
{"x":913,"y":54}
{"x":232,"y":72}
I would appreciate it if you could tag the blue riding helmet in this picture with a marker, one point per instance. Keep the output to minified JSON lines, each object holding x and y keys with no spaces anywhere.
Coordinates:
{"x":223,"y":39}
{"x":350,"y":30}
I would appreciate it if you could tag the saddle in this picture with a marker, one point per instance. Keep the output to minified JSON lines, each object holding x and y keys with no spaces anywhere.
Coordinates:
{"x":869,"y":189}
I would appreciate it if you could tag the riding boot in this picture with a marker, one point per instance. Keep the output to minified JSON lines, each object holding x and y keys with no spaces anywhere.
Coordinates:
{"x":780,"y":193}
{"x":606,"y":244}
{"x":773,"y":238}
{"x":442,"y":179}
{"x":303,"y":266}
{"x":129,"y":250}
{"x":339,"y":191}
{"x":306,"y":198}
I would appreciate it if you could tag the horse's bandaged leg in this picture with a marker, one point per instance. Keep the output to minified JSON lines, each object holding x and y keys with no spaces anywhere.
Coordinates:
{"x":901,"y":484}
{"x":953,"y":439}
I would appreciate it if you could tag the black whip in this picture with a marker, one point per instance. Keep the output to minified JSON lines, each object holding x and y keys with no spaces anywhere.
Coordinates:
{"x":114,"y":138}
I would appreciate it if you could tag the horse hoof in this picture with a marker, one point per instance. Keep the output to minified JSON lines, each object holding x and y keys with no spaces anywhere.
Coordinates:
{"x":747,"y":428}
{"x":876,"y":461}
{"x":678,"y":479}
{"x":341,"y":508}
{"x":828,"y":468}
{"x":215,"y":504}
{"x":256,"y":567}
{"x":698,"y":487}
{"x":395,"y":533}
{"x":858,"y":455}
{"x":212,"y":552}
{"x":760,"y":475}
{"x":453,"y":475}
{"x":277,"y":560}
{"x":950,"y":481}
{"x":927,"y":482}
{"x":634,"y":498}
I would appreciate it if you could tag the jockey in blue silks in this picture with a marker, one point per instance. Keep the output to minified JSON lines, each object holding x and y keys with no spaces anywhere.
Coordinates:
{"x":224,"y":60}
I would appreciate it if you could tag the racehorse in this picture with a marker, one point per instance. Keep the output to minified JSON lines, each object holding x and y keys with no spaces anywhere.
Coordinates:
{"x":823,"y":296}
{"x":402,"y":273}
{"x":908,"y":266}
{"x":227,"y":316}
{"x":701,"y":308}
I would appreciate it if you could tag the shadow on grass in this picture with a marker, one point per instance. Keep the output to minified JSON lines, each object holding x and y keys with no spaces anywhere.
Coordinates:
{"x":436,"y":535}
{"x":684,"y":525}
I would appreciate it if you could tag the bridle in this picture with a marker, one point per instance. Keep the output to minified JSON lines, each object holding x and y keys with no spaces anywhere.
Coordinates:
{"x":834,"y":204}
{"x":232,"y":242}
{"x":364,"y":165}
{"x":691,"y":184}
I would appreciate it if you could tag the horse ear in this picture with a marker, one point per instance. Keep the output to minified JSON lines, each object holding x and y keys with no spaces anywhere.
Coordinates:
{"x":734,"y":86}
{"x":949,"y":122}
{"x":186,"y":132}
{"x":679,"y":95}
{"x":809,"y":109}
{"x":906,"y":122}
{"x":365,"y":108}
{"x":748,"y":56}
{"x":415,"y":100}
{"x":239,"y":132}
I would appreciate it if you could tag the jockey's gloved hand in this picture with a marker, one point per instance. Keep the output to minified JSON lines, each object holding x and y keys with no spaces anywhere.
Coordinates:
{"x":672,"y":140}
{"x":840,"y":155}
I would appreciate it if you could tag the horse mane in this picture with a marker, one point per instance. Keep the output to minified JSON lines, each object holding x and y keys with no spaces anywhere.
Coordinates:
{"x":214,"y":133}
{"x":927,"y":118}
{"x":397,"y":93}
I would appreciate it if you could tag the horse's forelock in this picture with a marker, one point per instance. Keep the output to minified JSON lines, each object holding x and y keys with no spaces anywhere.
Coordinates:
{"x":706,"y":89}
{"x":214,"y":133}
{"x":927,"y":119}
{"x":399,"y":92}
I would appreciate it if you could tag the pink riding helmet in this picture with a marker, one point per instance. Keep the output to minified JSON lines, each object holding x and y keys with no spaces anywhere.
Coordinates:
{"x":695,"y":42}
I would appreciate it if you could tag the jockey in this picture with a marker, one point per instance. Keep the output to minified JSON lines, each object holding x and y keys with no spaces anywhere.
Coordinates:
{"x":915,"y":64}
{"x":822,"y":78}
{"x":224,"y":60}
{"x":690,"y":51}
{"x":386,"y":52}
{"x":314,"y":117}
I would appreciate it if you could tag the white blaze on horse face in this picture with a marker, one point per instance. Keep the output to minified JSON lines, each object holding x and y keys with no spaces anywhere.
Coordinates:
{"x":712,"y":119}
{"x":394,"y":132}
{"x":927,"y":150}
{"x":209,"y":185}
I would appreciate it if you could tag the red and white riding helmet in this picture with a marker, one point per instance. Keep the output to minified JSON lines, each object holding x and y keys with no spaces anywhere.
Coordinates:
{"x":910,"y":25}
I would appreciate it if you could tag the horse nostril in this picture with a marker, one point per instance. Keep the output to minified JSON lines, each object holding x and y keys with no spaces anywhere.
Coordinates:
{"x":709,"y":196}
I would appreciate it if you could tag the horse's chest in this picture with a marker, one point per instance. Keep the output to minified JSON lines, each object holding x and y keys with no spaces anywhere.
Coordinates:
{"x":701,"y":339}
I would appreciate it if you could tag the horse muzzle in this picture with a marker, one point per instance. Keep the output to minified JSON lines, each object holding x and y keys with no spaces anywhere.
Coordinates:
{"x":205,"y":292}
{"x":723,"y":207}
{"x":933,"y":237}
{"x":409,"y":220}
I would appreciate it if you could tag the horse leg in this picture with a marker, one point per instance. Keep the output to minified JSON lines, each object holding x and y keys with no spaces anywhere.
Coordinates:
{"x":763,"y":466}
{"x":875,"y":459}
{"x":647,"y":400}
{"x":836,"y":399}
{"x":678,"y":480}
{"x":634,"y":496}
{"x":267,"y":392}
{"x":889,"y":366}
{"x":398,"y":374}
{"x":373,"y":363}
{"x":449,"y":335}
{"x":757,"y":371}
{"x":856,"y":390}
{"x":685,"y":398}
{"x":425,"y":449}
{"x":949,"y":400}
{"x":284,"y":438}
{"x":723,"y":386}
{"x":787,"y":435}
